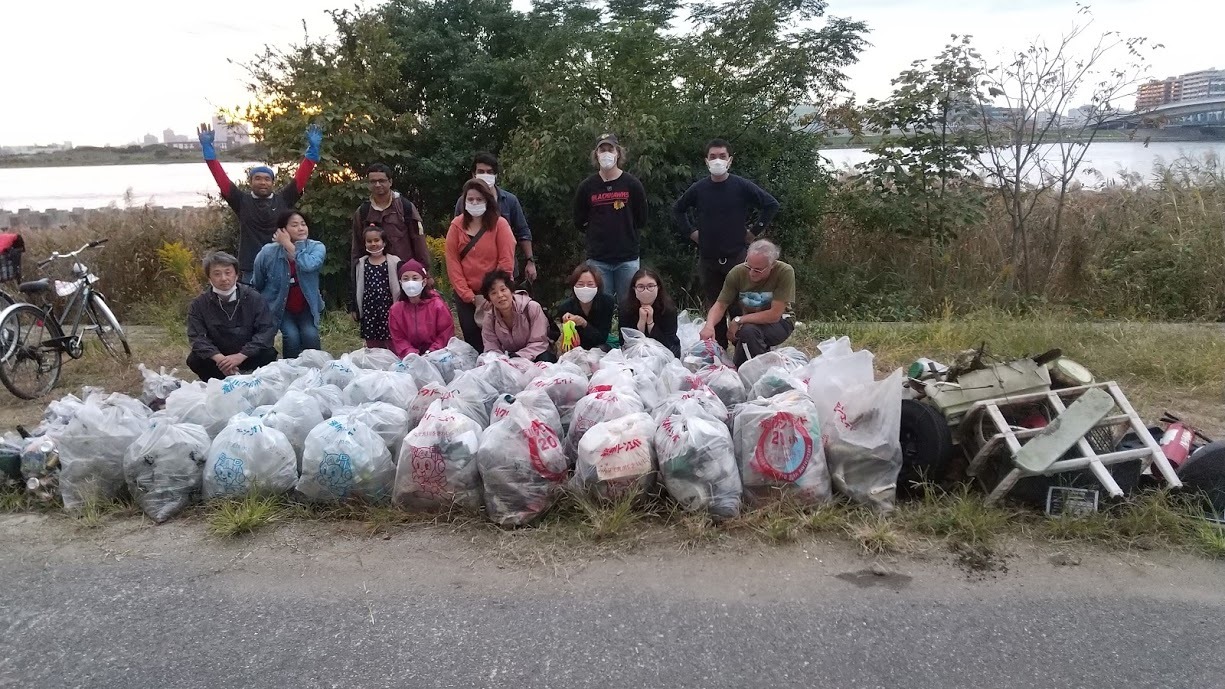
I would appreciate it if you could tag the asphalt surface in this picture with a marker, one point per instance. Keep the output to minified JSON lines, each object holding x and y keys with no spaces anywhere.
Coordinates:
{"x":168,"y":607}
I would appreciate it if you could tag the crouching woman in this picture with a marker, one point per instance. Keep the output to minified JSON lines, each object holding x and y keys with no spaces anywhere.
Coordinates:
{"x":287,"y":276}
{"x":420,"y":321}
{"x":230,"y":327}
{"x":516,"y":325}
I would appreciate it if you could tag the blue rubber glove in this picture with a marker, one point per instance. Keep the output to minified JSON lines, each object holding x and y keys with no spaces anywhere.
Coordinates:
{"x":208,"y":139}
{"x":314,"y":139}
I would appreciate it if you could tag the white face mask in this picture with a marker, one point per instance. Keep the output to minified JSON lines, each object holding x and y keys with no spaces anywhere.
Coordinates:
{"x":487,"y":178}
{"x":412,"y":288}
{"x":586,"y":294}
{"x":608,"y":159}
{"x":375,"y":252}
{"x":717,"y":167}
{"x":647,"y":298}
{"x":476,"y":210}
{"x":226,"y":295}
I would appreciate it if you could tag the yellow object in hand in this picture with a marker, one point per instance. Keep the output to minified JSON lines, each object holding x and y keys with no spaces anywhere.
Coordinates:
{"x":569,"y":337}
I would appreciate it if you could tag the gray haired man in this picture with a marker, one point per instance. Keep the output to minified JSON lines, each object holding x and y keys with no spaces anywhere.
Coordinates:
{"x":230,"y":327}
{"x":764,"y":288}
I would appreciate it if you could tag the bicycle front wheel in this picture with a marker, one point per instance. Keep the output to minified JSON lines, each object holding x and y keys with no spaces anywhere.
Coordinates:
{"x":30,"y":342}
{"x":109,"y":330}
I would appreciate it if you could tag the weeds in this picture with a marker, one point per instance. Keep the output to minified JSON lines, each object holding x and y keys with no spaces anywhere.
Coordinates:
{"x":231,"y":518}
{"x":961,"y":517}
{"x":876,"y":535}
{"x":1209,"y":540}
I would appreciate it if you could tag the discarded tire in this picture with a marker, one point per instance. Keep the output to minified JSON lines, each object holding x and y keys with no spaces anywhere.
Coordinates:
{"x":1204,"y":473}
{"x":927,"y":446}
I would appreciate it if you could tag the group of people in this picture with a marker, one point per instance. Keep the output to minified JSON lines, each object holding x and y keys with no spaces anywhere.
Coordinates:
{"x":273,"y":283}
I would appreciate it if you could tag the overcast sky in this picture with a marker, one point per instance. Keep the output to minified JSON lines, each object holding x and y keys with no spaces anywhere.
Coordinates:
{"x":109,"y":72}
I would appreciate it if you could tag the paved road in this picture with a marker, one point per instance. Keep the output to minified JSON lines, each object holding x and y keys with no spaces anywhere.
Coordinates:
{"x":168,"y":608}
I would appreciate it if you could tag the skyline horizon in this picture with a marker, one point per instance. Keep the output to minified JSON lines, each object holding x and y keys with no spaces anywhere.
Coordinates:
{"x":198,"y":70}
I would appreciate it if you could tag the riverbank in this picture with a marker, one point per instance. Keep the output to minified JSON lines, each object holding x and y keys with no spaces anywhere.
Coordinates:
{"x":1138,"y":136}
{"x":91,"y":156}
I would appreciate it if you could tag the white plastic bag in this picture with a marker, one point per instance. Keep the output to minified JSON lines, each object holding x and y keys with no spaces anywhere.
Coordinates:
{"x":164,"y":467}
{"x":699,"y":354}
{"x":638,"y":347}
{"x":390,"y":422}
{"x":498,"y":372}
{"x":247,"y":457}
{"x":62,"y":411}
{"x":618,"y":378}
{"x":252,"y":387}
{"x":522,"y":468}
{"x":313,"y":358}
{"x":472,"y":395}
{"x":616,"y":458}
{"x":776,"y":381}
{"x":158,"y":384}
{"x":861,"y":433}
{"x":329,"y":398}
{"x":344,"y":458}
{"x":703,"y":399}
{"x":458,"y":356}
{"x":92,"y":447}
{"x":598,"y":408}
{"x":565,"y":384}
{"x":396,"y":389}
{"x":531,"y":370}
{"x":676,"y":378}
{"x":436,"y":469}
{"x":376,"y":359}
{"x":538,"y":405}
{"x":420,"y":368}
{"x":725,"y":383}
{"x":208,"y":404}
{"x":296,"y":415}
{"x":778,"y":447}
{"x":587,"y":360}
{"x":697,"y":461}
{"x":788,"y":359}
{"x":689,"y":329}
{"x":426,"y":397}
{"x":340,"y":372}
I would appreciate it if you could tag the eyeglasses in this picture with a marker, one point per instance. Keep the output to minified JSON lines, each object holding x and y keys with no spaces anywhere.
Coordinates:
{"x":377,"y":182}
{"x":757,"y":271}
{"x":645,"y":288}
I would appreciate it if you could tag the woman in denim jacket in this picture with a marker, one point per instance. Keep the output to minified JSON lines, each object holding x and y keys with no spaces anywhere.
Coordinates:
{"x":287,"y":276}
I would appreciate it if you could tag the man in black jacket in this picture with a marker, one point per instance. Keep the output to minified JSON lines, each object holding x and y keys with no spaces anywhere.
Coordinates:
{"x":230,"y":327}
{"x":723,"y":203}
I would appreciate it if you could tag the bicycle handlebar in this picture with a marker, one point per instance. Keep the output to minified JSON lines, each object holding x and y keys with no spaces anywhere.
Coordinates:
{"x":55,"y":255}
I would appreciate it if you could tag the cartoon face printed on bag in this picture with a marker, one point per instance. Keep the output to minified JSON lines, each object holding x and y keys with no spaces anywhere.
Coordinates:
{"x":336,"y":473}
{"x":228,"y":472}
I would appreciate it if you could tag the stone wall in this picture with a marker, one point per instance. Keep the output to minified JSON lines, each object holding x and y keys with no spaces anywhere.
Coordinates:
{"x":27,"y":219}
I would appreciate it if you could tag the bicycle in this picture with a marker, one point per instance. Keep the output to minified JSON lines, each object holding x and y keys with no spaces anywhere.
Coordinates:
{"x":32,"y":338}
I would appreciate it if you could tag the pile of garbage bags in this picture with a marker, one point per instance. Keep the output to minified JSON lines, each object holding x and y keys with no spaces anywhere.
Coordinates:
{"x":454,"y":431}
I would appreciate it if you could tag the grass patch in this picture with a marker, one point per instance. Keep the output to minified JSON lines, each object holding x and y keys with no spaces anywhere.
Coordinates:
{"x":14,"y":498}
{"x":94,"y":512}
{"x":877,"y":535}
{"x":232,"y":518}
{"x":1209,"y":540}
{"x":961,"y":517}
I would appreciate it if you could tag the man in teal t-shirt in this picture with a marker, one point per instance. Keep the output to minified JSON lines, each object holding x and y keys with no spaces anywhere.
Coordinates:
{"x":764,"y":288}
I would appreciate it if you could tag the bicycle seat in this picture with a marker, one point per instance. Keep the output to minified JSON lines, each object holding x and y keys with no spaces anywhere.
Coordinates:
{"x":35,"y":286}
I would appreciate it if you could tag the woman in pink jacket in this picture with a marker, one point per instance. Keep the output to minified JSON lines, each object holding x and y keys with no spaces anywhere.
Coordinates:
{"x":420,"y":321}
{"x":516,"y":325}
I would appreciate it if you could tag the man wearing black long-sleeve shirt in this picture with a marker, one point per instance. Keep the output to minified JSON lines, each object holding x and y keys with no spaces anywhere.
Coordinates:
{"x":724,"y":229}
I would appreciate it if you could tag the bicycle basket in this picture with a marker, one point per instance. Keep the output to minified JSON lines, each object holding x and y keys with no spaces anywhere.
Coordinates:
{"x":12,"y":246}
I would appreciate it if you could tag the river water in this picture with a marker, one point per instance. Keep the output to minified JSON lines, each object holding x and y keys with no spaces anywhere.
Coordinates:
{"x":188,"y":184}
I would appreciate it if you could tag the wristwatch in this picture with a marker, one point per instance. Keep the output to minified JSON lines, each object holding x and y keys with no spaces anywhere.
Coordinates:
{"x":736,"y":320}
{"x":529,"y":259}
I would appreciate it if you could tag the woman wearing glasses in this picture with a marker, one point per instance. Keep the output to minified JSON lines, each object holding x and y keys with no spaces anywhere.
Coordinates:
{"x":649,"y":309}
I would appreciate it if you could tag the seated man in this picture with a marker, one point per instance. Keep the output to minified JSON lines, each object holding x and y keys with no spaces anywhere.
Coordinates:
{"x":230,"y":327}
{"x":764,"y":288}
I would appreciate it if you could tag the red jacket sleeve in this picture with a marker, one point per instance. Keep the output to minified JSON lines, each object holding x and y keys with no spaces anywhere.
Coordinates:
{"x":303,"y":174}
{"x":400,"y":343}
{"x":223,"y":182}
{"x":444,"y":325}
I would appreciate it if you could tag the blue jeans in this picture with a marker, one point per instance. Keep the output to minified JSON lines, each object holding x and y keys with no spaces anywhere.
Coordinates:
{"x":298,"y":332}
{"x":617,"y":277}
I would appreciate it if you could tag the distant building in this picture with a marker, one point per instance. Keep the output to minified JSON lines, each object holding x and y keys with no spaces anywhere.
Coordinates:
{"x":149,"y":140}
{"x":170,"y":138}
{"x":1154,"y":94}
{"x":35,"y":149}
{"x":230,"y":135}
{"x":1205,"y":83}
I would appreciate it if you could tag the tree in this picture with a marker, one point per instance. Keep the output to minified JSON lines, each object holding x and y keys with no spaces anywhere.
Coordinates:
{"x":1031,"y":155}
{"x":423,"y":84}
{"x":922,"y":181}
